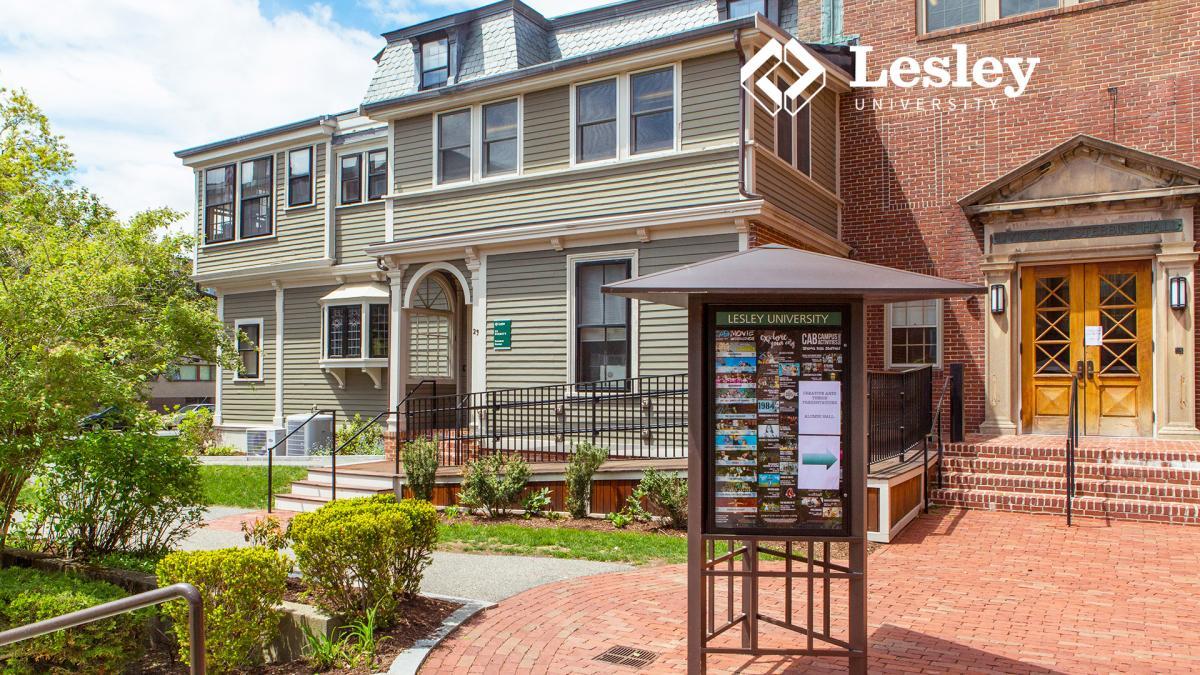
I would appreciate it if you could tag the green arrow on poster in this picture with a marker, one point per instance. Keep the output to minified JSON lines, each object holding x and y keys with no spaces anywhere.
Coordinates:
{"x":825,"y":458}
{"x":502,"y":334}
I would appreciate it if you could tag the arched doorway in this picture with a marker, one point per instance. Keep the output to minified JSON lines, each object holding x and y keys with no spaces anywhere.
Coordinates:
{"x":437,"y":323}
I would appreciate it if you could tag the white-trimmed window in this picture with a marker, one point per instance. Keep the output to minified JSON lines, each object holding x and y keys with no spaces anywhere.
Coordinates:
{"x":793,"y":137}
{"x":220,"y":190}
{"x":478,"y":143}
{"x":362,"y":176}
{"x":248,"y":334}
{"x":940,"y":14}
{"x":257,"y":191}
{"x":300,"y":177}
{"x":431,"y":329}
{"x":914,"y":333}
{"x":631,"y":115}
{"x":347,"y":334}
{"x":602,"y":325}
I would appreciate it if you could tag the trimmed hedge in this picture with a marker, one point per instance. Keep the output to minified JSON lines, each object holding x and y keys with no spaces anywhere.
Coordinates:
{"x":359,"y":554}
{"x":29,"y":595}
{"x":242,"y":590}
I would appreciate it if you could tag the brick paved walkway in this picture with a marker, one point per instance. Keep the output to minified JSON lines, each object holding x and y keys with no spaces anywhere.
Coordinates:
{"x":960,"y":591}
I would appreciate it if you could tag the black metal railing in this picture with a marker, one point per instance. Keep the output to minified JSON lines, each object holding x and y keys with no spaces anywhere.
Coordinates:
{"x":1072,"y":442}
{"x":271,"y":452}
{"x":900,"y":411}
{"x":644,"y":417}
{"x":132,"y":603}
{"x":936,"y":436}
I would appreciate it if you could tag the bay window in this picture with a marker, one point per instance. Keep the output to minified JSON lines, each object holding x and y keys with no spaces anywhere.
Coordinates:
{"x":350,"y":179}
{"x":219,"y":190}
{"x":602,"y":324}
{"x":257,"y":177}
{"x":454,"y":146}
{"x":346,"y":333}
{"x":300,"y":185}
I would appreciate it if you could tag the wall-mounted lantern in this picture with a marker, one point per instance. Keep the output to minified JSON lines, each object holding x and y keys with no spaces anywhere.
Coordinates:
{"x":998,"y":298}
{"x":1179,"y":293}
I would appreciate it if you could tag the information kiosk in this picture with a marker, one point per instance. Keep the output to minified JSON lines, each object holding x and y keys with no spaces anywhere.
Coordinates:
{"x":777,"y":464}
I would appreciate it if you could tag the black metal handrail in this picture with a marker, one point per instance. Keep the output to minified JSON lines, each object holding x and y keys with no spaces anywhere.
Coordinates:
{"x":271,"y":453}
{"x":936,"y":429}
{"x":132,"y":603}
{"x":899,"y":411}
{"x":348,"y":441}
{"x":399,"y":417}
{"x":1072,"y":443}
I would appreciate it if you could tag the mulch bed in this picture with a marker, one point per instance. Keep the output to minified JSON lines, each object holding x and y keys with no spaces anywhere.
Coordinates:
{"x":421,"y":617}
{"x":594,"y":524}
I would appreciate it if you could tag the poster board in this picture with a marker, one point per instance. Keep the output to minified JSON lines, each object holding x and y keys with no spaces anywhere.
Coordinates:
{"x":777,"y":444}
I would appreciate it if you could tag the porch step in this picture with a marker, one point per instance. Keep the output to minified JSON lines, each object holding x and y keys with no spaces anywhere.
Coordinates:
{"x":1136,"y":451}
{"x":349,"y":477}
{"x":1139,"y":472}
{"x":1087,"y":507}
{"x":309,"y":488}
{"x":316,"y":490}
{"x":1084,"y":487}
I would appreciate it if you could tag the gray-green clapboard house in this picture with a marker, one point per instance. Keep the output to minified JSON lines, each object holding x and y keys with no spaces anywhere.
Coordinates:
{"x":499,"y":169}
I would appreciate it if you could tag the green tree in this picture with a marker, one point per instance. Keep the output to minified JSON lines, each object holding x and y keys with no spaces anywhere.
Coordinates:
{"x":91,"y":308}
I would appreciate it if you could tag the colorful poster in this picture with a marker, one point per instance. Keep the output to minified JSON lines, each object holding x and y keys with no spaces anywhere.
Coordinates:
{"x":777,"y":408}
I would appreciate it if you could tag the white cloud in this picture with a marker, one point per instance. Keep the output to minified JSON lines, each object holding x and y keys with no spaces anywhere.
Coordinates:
{"x":128,"y":82}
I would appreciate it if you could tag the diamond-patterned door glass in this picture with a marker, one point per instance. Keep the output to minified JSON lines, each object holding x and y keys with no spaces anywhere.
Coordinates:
{"x":1052,"y":326}
{"x":1118,"y":323}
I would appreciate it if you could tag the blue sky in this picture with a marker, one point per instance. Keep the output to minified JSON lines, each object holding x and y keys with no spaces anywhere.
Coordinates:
{"x":128,"y":82}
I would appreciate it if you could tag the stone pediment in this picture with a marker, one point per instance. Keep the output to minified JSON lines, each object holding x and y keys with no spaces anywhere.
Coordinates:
{"x":1083,"y":170}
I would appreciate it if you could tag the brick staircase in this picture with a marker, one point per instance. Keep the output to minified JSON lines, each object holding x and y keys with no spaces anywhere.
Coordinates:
{"x":1121,"y":479}
{"x":316,"y":489}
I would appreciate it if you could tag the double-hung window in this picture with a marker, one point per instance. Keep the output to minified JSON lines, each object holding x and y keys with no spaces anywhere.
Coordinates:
{"x":249,"y":339}
{"x":626,"y":116}
{"x":914,"y":333}
{"x":219,"y":190}
{"x":596,"y":121}
{"x":350,"y":179}
{"x":652,"y":110}
{"x":454,"y":146}
{"x":300,"y":185}
{"x":257,"y":176}
{"x":602,"y":324}
{"x":793,"y":136}
{"x":740,"y":8}
{"x":435,"y":62}
{"x":940,"y":14}
{"x":377,"y":170}
{"x":500,"y":121}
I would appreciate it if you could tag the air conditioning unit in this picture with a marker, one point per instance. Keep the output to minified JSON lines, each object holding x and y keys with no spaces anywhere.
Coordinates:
{"x":317,"y":433}
{"x":258,"y":441}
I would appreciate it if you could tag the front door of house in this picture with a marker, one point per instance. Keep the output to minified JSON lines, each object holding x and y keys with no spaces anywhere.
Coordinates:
{"x":1092,"y":320}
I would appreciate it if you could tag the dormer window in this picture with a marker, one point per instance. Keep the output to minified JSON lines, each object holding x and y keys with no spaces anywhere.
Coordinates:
{"x":435,"y":62}
{"x":736,"y":9}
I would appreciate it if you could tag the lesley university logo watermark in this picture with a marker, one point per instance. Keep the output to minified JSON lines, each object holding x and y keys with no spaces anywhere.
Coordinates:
{"x":777,"y":63}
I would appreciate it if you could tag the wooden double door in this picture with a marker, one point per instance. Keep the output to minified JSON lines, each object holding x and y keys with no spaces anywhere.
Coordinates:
{"x":1092,"y":321}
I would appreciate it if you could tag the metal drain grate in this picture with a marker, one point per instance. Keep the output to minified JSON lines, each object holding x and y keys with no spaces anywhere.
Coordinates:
{"x":627,"y":656}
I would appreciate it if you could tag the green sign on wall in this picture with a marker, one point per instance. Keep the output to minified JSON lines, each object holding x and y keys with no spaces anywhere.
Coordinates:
{"x":502,"y":334}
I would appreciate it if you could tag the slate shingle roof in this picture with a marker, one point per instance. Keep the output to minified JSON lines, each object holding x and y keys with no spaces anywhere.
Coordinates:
{"x":514,"y":38}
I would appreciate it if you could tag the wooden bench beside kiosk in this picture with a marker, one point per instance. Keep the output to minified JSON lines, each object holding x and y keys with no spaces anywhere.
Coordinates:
{"x":777,"y":459}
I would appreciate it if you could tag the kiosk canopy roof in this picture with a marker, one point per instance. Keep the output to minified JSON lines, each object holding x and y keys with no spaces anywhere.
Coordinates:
{"x":781,"y":270}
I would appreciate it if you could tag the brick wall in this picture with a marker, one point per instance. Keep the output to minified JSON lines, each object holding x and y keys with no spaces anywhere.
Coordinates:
{"x":904,"y":170}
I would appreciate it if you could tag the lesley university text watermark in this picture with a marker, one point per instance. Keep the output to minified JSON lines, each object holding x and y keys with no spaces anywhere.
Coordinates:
{"x":786,"y":76}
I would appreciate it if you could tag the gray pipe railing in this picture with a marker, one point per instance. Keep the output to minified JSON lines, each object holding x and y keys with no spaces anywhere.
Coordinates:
{"x":125,"y":605}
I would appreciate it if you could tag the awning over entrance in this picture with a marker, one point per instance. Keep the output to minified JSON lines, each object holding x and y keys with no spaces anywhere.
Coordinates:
{"x":774,"y":269}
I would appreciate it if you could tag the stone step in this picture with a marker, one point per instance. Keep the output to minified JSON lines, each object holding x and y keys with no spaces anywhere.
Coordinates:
{"x":1084,"y":487}
{"x":1083,"y":469}
{"x":1181,"y":456}
{"x":309,"y":488}
{"x":1087,"y":507}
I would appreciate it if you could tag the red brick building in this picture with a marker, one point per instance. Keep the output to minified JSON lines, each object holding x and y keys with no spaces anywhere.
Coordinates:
{"x":1077,"y":231}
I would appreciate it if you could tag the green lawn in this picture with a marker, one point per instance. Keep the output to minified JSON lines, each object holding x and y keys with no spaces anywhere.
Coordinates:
{"x":245,"y":486}
{"x":638,"y":548}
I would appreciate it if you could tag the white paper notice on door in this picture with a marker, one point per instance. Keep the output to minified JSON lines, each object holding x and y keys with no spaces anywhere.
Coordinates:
{"x":819,"y":408}
{"x":1093,"y":336}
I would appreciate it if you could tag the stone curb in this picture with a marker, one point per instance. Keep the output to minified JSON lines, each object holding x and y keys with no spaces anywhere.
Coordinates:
{"x":410,"y":660}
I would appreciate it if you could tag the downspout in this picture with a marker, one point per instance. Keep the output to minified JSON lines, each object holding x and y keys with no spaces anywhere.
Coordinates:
{"x":742,"y":122}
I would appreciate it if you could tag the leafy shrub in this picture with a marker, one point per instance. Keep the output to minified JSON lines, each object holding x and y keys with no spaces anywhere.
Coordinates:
{"x":420,"y":466}
{"x":493,"y":482}
{"x":369,"y":442}
{"x":580,"y":469}
{"x":536,"y":503}
{"x":28,"y":595}
{"x":619,"y":519}
{"x":134,"y":562}
{"x":197,"y":433}
{"x":112,"y":491}
{"x":266,"y":532}
{"x":242,"y":589}
{"x":222,"y":451}
{"x":634,"y":510}
{"x":668,"y":493}
{"x":369,"y":552}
